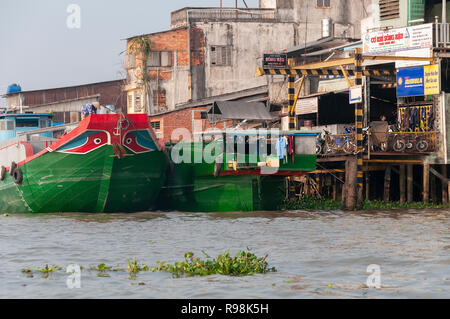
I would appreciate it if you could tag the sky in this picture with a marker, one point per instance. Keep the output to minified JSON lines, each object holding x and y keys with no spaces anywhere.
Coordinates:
{"x":42,"y":47}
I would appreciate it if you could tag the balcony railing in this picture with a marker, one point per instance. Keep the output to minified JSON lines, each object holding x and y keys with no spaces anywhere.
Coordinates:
{"x":183,"y":17}
{"x":442,"y":35}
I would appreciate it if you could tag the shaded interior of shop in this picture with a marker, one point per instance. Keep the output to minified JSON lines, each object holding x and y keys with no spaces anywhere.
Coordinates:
{"x":334,"y":108}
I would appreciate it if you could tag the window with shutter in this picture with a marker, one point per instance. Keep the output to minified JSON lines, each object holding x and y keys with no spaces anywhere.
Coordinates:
{"x":166,"y":58}
{"x":154,"y":59}
{"x":129,"y":61}
{"x":221,"y":55}
{"x":137,"y":102}
{"x":389,"y":9}
{"x":323,"y":3}
{"x":130,"y":101}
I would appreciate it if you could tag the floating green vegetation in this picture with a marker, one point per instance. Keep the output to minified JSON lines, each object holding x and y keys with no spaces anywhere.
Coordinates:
{"x":243,"y":263}
{"x":28,"y":272}
{"x":133,"y":268}
{"x":311,"y":203}
{"x":102,"y":268}
{"x":376,"y":205}
{"x":47,"y":271}
{"x":5,"y":215}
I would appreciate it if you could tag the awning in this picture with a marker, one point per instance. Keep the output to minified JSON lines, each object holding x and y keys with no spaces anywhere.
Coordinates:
{"x":236,"y":110}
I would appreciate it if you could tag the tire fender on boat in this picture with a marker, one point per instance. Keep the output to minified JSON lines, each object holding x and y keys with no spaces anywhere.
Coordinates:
{"x":12,"y":168}
{"x":3,"y":173}
{"x":18,"y":176}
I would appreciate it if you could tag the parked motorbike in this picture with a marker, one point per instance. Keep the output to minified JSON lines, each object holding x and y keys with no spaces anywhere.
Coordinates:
{"x":397,"y":141}
{"x":320,"y":144}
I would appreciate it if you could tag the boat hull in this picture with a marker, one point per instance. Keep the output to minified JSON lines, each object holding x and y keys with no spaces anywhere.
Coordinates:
{"x":95,"y":182}
{"x":108,"y":163}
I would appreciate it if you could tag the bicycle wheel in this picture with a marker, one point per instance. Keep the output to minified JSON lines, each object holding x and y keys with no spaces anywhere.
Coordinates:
{"x":422,"y":145}
{"x":318,"y":149}
{"x":399,"y":145}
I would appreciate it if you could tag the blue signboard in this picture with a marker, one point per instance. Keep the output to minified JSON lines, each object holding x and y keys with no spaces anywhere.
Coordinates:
{"x":411,"y":82}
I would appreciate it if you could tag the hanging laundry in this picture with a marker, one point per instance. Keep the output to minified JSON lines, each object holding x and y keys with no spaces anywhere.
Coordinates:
{"x":281,"y":147}
{"x":406,"y":117}
{"x":423,"y":118}
{"x":431,"y":120}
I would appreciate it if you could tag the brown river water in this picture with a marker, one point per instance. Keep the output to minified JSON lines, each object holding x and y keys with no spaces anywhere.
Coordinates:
{"x":317,"y":254}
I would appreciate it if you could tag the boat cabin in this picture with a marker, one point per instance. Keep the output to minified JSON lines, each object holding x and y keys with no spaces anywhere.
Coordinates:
{"x":12,"y":124}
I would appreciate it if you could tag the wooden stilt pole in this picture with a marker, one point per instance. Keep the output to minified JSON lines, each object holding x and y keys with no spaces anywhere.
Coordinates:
{"x":387,"y":184}
{"x":350,"y":193}
{"x":402,"y":184}
{"x":367,"y":186}
{"x":335,"y":188}
{"x":433,"y":193}
{"x":410,"y":195}
{"x":426,"y":183}
{"x":445,"y":186}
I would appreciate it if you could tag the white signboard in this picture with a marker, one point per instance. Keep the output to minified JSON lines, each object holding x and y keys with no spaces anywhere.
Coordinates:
{"x":410,"y":38}
{"x":356,"y":94}
{"x":307,"y":106}
{"x":418,"y":53}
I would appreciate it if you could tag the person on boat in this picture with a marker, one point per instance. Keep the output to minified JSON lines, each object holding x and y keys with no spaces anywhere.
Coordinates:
{"x":89,"y":109}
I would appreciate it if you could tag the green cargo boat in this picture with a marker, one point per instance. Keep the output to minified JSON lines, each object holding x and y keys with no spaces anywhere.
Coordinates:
{"x":108,"y":163}
{"x":245,"y":179}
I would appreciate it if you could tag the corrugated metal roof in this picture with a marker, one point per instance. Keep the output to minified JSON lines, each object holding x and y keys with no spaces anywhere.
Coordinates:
{"x":236,"y":110}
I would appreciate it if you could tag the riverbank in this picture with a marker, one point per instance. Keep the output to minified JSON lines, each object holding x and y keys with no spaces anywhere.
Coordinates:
{"x":310,"y":203}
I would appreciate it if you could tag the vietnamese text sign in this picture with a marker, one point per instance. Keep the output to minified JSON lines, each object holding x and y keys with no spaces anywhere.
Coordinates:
{"x":410,"y":38}
{"x":432,"y":81}
{"x":307,"y":106}
{"x":274,"y":61}
{"x":418,"y":81}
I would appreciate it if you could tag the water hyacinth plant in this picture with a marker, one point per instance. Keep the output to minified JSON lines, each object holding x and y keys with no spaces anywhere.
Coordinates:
{"x":243,"y":263}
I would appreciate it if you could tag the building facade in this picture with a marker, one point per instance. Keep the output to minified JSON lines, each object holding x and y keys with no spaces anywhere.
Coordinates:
{"x":214,"y":51}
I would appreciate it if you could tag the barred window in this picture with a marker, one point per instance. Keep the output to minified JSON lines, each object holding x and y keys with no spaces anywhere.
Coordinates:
{"x":221,"y":55}
{"x":156,"y":125}
{"x":323,"y":3}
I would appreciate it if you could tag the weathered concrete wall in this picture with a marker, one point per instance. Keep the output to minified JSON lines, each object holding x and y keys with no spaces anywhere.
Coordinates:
{"x":247,"y":43}
{"x":346,"y":16}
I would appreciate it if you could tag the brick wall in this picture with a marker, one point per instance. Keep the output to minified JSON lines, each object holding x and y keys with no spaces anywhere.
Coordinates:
{"x":184,"y":119}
